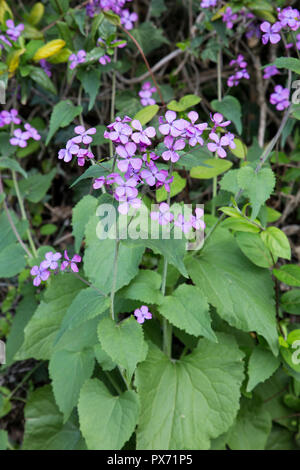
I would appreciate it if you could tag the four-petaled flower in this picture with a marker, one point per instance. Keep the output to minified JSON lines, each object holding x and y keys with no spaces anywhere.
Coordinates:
{"x":173,"y":126}
{"x":70,"y":263}
{"x":51,"y":260}
{"x":67,"y":153}
{"x":20,"y":138}
{"x":271,"y":32}
{"x":142,"y":314}
{"x":164,"y":216}
{"x":13,"y":32}
{"x":218,"y":144}
{"x":142,"y":136}
{"x":77,"y":59}
{"x":32,"y":132}
{"x":84,"y":136}
{"x":40,"y":275}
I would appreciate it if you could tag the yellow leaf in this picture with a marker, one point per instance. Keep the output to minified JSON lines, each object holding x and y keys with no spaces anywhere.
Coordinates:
{"x":3,"y":9}
{"x":36,"y":14}
{"x":13,"y":60}
{"x":61,"y":56}
{"x":49,"y":49}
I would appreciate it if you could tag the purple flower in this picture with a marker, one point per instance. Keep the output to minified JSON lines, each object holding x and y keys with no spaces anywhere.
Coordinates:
{"x":231,"y":137}
{"x":270,"y":71}
{"x":5,"y":41}
{"x":280,"y":98}
{"x":82,"y":155}
{"x":33,"y":133}
{"x":239,"y":62}
{"x":70,"y":263}
{"x":105,"y":59}
{"x":127,"y":19}
{"x":271,"y":32}
{"x":126,"y":193}
{"x":153,"y":175}
{"x":77,"y":59}
{"x":229,"y":17}
{"x":46,"y":66}
{"x":40,"y":275}
{"x":8,"y":117}
{"x":208,"y":3}
{"x":164,"y":216}
{"x":218,"y":121}
{"x":218,"y":144}
{"x":121,"y":132}
{"x":50,"y":260}
{"x":67,"y":153}
{"x":142,"y":314}
{"x":173,"y":146}
{"x":146,"y":94}
{"x":20,"y":138}
{"x":142,"y":137}
{"x":84,"y":135}
{"x":13,"y":32}
{"x":183,"y":224}
{"x":172,"y":127}
{"x":99,"y":182}
{"x":194,"y":131}
{"x":127,"y":151}
{"x":196,"y":220}
{"x":289,"y":17}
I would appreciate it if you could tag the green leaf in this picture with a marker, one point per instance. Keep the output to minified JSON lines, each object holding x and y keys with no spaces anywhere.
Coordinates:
{"x":277,"y":242}
{"x":123,"y":342}
{"x":240,"y":149}
{"x":254,"y":248}
{"x":187,"y":402}
{"x":257,"y":186}
{"x":290,"y":301}
{"x":262,"y":364}
{"x":146,"y":114}
{"x":90,"y":79}
{"x":94,"y":171}
{"x":230,"y":108}
{"x":38,"y":75}
{"x":6,"y":162}
{"x":62,"y":115}
{"x":82,"y":212}
{"x":44,"y":427}
{"x":239,"y":224}
{"x":12,"y":260}
{"x":187,"y":309}
{"x":99,"y":255}
{"x":289,"y":63}
{"x":186,"y":102}
{"x":3,"y":439}
{"x":229,"y":182}
{"x":103,"y":358}
{"x":148,"y":36}
{"x":68,"y":371}
{"x":244,"y":301}
{"x":106,"y":421}
{"x":176,"y":187}
{"x":144,"y":287}
{"x":217,"y":166}
{"x":289,"y":274}
{"x":35,"y":187}
{"x":87,"y":305}
{"x":252,"y":427}
{"x":43,"y":327}
{"x":112,"y":17}
{"x":7,"y":236}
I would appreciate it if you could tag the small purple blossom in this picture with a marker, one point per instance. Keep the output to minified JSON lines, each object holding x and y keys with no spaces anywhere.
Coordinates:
{"x":77,"y":59}
{"x":184,"y":225}
{"x":67,"y":153}
{"x":152,"y":175}
{"x":208,"y":3}
{"x":33,"y":133}
{"x":8,"y":117}
{"x":280,"y":98}
{"x":173,"y":147}
{"x":120,"y":133}
{"x":218,"y":121}
{"x":173,"y":126}
{"x":271,"y":32}
{"x":84,"y":136}
{"x":126,"y":193}
{"x":142,"y":136}
{"x":20,"y":138}
{"x":196,"y":220}
{"x":164,"y":216}
{"x":229,"y":18}
{"x":99,"y":182}
{"x":218,"y":144}
{"x":270,"y":71}
{"x":50,"y":260}
{"x":14,"y":32}
{"x":142,"y":314}
{"x":127,"y":19}
{"x":70,"y":263}
{"x":46,"y":66}
{"x":105,"y":59}
{"x":40,"y":275}
{"x":289,"y":17}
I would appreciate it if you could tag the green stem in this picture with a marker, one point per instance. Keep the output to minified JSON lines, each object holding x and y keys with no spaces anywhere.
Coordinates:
{"x":215,"y":178}
{"x":23,"y":213}
{"x":113,"y":382}
{"x":114,"y":281}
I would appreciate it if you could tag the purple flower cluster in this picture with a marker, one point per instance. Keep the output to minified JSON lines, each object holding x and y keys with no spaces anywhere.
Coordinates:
{"x":20,"y":137}
{"x":240,"y":71}
{"x":72,"y":148}
{"x":164,"y":216}
{"x":117,"y":6}
{"x":50,"y":263}
{"x":137,"y":161}
{"x":9,"y":117}
{"x":146,"y":94}
{"x":208,"y":3}
{"x":288,"y":18}
{"x":76,"y":59}
{"x":280,"y":98}
{"x":270,"y":71}
{"x":14,"y":32}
